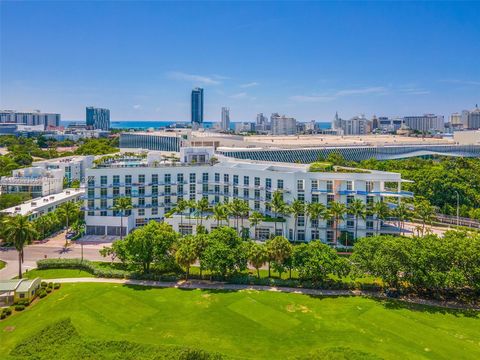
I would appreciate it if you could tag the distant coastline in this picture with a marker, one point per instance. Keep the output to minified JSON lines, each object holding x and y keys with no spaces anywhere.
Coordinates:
{"x":156,"y":124}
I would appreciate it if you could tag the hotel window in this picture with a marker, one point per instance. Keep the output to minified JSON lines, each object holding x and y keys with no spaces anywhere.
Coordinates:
{"x":268,"y":207}
{"x":116,"y":179}
{"x":192,"y":196}
{"x":116,"y":191}
{"x":314,"y":184}
{"x":155,"y":179}
{"x":315,"y":198}
{"x":369,"y":186}
{"x":268,"y":183}
{"x":205,"y":177}
{"x":168,"y":200}
{"x":246,"y":181}
{"x":91,"y":193}
{"x":280,"y":184}
{"x":128,"y":179}
{"x":256,"y":205}
{"x":103,"y":192}
{"x":225,"y":190}
{"x":314,"y":223}
{"x":330,"y":199}
{"x":193,"y":177}
{"x":168,"y":178}
{"x":217,"y":189}
{"x":180,"y":189}
{"x":103,"y":203}
{"x":141,"y":212}
{"x":235,"y":179}
{"x":235,"y":191}
{"x":103,"y":213}
{"x":179,"y":198}
{"x":192,"y":188}
{"x":315,"y":235}
{"x":154,"y":189}
{"x":217,"y":177}
{"x":246,"y":193}
{"x":91,"y":213}
{"x":205,"y":188}
{"x":257,"y":181}
{"x":168,"y":189}
{"x":155,"y":211}
{"x":257,"y":194}
{"x":216,"y":199}
{"x":226,"y":178}
{"x":141,"y":179}
{"x":350,"y":199}
{"x":141,"y":201}
{"x":180,"y":178}
{"x":128,"y":191}
{"x":330,"y":236}
{"x":329,"y":186}
{"x":370,"y":225}
{"x":300,"y":185}
{"x":91,"y":204}
{"x":350,"y":223}
{"x":349,"y":185}
{"x":330,"y":224}
{"x":268,"y":195}
{"x":91,"y":181}
{"x":301,"y":220}
{"x":370,"y":200}
{"x":301,"y":235}
{"x":141,"y":190}
{"x":301,"y":197}
{"x":103,"y":180}
{"x":154,"y":201}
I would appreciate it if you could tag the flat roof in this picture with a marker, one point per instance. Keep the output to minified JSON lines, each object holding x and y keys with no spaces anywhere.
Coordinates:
{"x":40,"y":202}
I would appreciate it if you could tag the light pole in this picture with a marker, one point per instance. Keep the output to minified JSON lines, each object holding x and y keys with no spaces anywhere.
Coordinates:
{"x":458,"y":207}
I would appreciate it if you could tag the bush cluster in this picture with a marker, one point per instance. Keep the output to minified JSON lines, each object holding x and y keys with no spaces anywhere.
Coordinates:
{"x":5,"y":312}
{"x":85,"y":265}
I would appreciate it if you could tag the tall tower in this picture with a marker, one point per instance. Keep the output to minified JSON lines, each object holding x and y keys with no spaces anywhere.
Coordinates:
{"x":225,"y":124}
{"x":197,"y":106}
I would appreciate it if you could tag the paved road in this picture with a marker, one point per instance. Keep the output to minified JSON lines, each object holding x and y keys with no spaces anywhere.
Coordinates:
{"x":53,"y":248}
{"x":215,"y":285}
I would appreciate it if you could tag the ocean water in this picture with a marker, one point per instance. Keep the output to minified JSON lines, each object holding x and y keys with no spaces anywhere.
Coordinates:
{"x":147,"y":124}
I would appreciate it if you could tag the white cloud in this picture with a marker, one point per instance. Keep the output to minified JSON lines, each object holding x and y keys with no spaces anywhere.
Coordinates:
{"x":199,"y":79}
{"x":250,"y":84}
{"x":136,"y":107}
{"x":331,"y":96}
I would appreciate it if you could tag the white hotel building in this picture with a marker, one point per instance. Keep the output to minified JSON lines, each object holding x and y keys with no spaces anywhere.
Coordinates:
{"x":155,"y":186}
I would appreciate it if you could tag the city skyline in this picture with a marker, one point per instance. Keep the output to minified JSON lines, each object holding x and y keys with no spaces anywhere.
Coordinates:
{"x":354,"y":58}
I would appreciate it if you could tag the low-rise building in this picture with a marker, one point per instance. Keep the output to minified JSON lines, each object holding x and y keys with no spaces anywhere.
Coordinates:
{"x":155,"y":187}
{"x":283,"y":125}
{"x":73,"y":166}
{"x":15,"y":290}
{"x":43,"y":205}
{"x":36,"y":181}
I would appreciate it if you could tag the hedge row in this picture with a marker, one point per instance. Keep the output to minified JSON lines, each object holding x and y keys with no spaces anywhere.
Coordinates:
{"x":243,"y":279}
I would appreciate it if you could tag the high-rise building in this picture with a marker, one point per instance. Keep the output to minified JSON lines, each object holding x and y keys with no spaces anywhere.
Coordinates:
{"x":32,"y":118}
{"x":425,"y":123}
{"x":97,"y":118}
{"x":197,"y":106}
{"x":456,"y":120}
{"x":358,"y":125}
{"x":225,"y":124}
{"x":474,"y":118}
{"x":261,"y":125}
{"x":282,"y":125}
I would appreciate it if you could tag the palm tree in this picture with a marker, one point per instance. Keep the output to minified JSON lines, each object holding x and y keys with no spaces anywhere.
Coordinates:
{"x":236,"y":208}
{"x":244,"y":212}
{"x":297,"y":208}
{"x":337,"y":211}
{"x":202,"y":206}
{"x":122,"y":205}
{"x":381,"y":210}
{"x":285,"y":211}
{"x":180,"y":208}
{"x":42,"y":224}
{"x":358,"y":209}
{"x":425,"y":212}
{"x":19,"y":230}
{"x":318,"y":211}
{"x":402,"y":213}
{"x":186,"y":255}
{"x":277,"y":205}
{"x":255,"y":219}
{"x":257,"y":256}
{"x":220,"y":212}
{"x":68,"y":211}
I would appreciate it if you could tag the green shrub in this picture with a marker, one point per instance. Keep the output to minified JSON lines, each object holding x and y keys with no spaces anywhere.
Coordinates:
{"x":49,"y":290}
{"x":7,"y":311}
{"x":42,"y":294}
{"x":19,"y":307}
{"x":50,"y":284}
{"x":44,"y":284}
{"x":56,"y":286}
{"x":3,"y":315}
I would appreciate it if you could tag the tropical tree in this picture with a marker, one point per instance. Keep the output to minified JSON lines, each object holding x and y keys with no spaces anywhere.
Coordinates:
{"x":402,"y":213}
{"x":179,"y":209}
{"x":122,"y":205}
{"x":220,"y":213}
{"x":277,"y":205}
{"x":202,"y":206}
{"x":317,"y":211}
{"x":382,"y":212}
{"x":425,"y":212}
{"x":358,"y":210}
{"x":278,"y":249}
{"x":257,"y":256}
{"x":42,"y":225}
{"x":244,"y":212}
{"x":236,"y":208}
{"x":297,"y":209}
{"x":337,"y":211}
{"x":20,"y":231}
{"x":68,"y":211}
{"x":255,"y":219}
{"x":186,"y":254}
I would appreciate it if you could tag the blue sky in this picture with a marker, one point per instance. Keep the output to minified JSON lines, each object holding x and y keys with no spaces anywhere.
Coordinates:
{"x":304,"y":59}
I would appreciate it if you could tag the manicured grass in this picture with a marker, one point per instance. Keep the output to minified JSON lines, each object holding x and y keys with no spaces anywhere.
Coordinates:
{"x":247,"y":324}
{"x":56,"y":273}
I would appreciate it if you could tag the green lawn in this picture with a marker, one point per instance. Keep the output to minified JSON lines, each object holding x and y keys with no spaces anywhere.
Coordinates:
{"x":56,"y":273}
{"x":244,"y":324}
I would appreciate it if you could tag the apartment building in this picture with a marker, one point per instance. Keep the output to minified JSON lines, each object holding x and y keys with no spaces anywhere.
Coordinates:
{"x":36,"y":181}
{"x":156,"y":186}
